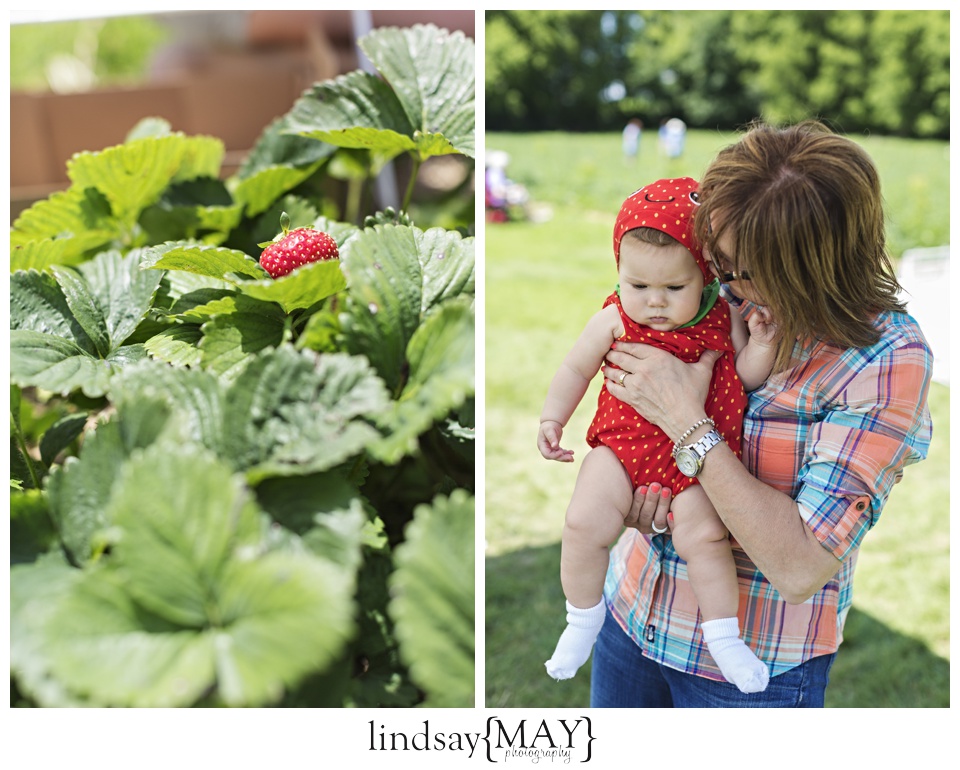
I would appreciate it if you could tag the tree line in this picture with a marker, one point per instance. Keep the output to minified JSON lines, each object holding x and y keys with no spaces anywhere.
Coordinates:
{"x":887,"y":72}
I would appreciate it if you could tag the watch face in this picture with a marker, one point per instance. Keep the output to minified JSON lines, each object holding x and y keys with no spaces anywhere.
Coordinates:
{"x":688,"y":462}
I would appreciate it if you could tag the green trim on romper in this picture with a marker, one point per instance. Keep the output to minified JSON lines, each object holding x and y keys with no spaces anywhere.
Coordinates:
{"x":707,"y":300}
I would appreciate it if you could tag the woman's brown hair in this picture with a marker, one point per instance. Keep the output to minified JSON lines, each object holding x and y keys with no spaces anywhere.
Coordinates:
{"x":804,"y":211}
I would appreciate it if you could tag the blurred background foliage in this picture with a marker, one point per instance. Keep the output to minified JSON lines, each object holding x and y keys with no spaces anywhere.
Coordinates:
{"x":113,"y":51}
{"x":883,"y":71}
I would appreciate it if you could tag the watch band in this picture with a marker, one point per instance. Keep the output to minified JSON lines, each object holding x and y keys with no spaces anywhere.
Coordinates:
{"x":707,"y":442}
{"x":703,"y":445}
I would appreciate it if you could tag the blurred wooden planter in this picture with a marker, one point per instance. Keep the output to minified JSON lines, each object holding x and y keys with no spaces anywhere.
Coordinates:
{"x":232,"y":95}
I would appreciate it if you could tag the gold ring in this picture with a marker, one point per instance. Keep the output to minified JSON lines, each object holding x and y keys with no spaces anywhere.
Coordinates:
{"x":623,"y":376}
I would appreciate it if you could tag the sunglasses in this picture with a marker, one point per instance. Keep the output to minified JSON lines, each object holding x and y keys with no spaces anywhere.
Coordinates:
{"x":725,"y":277}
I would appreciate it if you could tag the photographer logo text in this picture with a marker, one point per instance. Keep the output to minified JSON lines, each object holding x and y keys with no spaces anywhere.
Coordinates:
{"x":566,"y":741}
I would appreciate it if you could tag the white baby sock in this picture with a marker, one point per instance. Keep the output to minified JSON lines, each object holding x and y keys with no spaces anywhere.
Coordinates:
{"x":576,"y":641}
{"x":737,"y":662}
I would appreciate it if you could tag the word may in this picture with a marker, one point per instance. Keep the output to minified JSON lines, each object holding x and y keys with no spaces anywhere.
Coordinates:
{"x":539,"y":740}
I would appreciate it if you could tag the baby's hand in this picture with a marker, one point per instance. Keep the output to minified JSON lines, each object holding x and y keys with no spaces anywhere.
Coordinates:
{"x":763,"y":329}
{"x":548,"y":441}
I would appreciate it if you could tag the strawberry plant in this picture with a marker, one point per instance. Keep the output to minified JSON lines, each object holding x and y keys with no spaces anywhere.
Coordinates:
{"x":236,"y":486}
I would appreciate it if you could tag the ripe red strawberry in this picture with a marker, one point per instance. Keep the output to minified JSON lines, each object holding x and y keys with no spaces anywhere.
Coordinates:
{"x":297,"y":247}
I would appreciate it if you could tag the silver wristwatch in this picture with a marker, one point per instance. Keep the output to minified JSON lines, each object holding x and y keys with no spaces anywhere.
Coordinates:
{"x":689,"y":458}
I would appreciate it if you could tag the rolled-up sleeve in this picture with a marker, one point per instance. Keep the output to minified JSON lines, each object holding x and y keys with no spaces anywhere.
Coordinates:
{"x":876,"y":422}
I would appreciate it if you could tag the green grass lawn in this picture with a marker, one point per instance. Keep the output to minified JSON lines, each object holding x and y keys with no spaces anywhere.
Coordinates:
{"x":542,"y":281}
{"x":588,"y":172}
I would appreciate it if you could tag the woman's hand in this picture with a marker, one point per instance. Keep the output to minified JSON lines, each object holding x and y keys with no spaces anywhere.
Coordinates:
{"x":661,"y":387}
{"x":548,"y":442}
{"x":650,"y":512}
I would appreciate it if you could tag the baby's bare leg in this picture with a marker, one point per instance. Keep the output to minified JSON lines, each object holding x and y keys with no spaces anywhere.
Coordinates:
{"x":703,"y":543}
{"x":600,"y":502}
{"x":601,"y":499}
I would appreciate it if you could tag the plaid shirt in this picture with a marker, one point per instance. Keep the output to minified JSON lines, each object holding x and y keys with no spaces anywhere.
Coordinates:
{"x":833,"y":432}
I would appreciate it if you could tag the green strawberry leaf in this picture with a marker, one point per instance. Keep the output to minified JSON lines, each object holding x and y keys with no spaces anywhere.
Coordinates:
{"x":225,"y":264}
{"x":241,"y":327}
{"x":122,"y":290}
{"x":31,"y":529}
{"x":69,"y":328}
{"x":171,"y":559}
{"x":149,"y":127}
{"x":80,"y":490}
{"x":202,"y":158}
{"x":425,"y":105}
{"x":441,"y":360}
{"x":303,"y":288}
{"x":98,"y":306}
{"x":43,"y":254}
{"x":433,"y":604}
{"x":297,"y":502}
{"x":190,"y":599}
{"x":287,"y":414}
{"x":38,"y":305}
{"x":198,"y":209}
{"x":395,"y":276}
{"x":432,"y":73}
{"x":447,"y":266}
{"x":339,"y":231}
{"x":321,"y":331}
{"x":102,"y":647}
{"x":291,"y":413}
{"x":275,"y":147}
{"x":258,"y":192}
{"x":219,"y":304}
{"x":36,"y":591}
{"x":194,"y":395}
{"x":325,"y":509}
{"x":356,"y":110}
{"x":73,"y":221}
{"x":133,"y":175}
{"x":178,"y":345}
{"x":60,"y":435}
{"x":180,"y":288}
{"x":85,"y":308}
{"x":287,"y":615}
{"x":62,"y":366}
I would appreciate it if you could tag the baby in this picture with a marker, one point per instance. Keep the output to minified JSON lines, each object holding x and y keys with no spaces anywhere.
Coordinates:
{"x":666,"y":297}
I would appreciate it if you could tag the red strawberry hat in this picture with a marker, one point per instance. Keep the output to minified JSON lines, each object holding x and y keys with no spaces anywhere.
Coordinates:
{"x":668,"y":205}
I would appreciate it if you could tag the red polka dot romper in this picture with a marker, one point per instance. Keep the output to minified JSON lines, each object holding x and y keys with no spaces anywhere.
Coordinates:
{"x":641,"y":446}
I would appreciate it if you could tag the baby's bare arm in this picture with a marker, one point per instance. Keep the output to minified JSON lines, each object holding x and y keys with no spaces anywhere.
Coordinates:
{"x":755,"y":347}
{"x":572,"y":379}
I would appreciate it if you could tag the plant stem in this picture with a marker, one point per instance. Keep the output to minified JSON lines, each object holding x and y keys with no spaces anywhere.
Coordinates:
{"x":22,"y":446}
{"x":354,"y":195}
{"x":408,"y":195}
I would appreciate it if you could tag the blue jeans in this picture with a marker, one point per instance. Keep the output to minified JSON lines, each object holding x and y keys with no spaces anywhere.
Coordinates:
{"x":623,"y":678}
